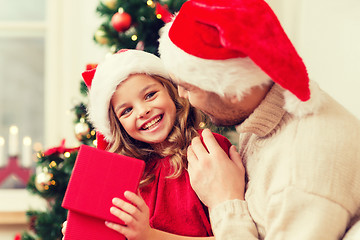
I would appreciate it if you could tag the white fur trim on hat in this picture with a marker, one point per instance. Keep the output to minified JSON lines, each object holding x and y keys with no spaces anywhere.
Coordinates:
{"x":234,"y":76}
{"x":299,"y":108}
{"x":109,"y":74}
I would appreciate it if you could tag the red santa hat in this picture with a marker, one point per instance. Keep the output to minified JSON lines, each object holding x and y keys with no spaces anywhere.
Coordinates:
{"x":103,"y":80}
{"x":228,"y":47}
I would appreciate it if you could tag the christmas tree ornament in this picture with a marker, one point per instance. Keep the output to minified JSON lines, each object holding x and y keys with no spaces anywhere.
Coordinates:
{"x":58,"y":150}
{"x":131,"y":31}
{"x":100,"y":37}
{"x":82,"y":129}
{"x":162,"y":12}
{"x":90,"y":66}
{"x":44,"y":180}
{"x":150,"y":3}
{"x":110,"y":4}
{"x":134,"y":37}
{"x":17,"y":237}
{"x":121,"y":21}
{"x":140,"y":45}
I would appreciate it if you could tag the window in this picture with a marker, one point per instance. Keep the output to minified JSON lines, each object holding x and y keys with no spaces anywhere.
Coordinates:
{"x":22,"y":51}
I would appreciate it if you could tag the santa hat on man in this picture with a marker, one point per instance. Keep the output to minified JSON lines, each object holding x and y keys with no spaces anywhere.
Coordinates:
{"x":103,"y":80}
{"x":228,"y":47}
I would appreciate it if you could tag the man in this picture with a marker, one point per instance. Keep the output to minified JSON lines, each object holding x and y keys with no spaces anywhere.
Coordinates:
{"x":300,"y":148}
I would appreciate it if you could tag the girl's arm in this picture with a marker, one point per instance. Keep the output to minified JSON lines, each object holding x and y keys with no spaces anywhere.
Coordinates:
{"x":135,"y":215}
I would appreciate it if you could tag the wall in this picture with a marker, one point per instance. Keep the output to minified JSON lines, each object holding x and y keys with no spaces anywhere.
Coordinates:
{"x":70,"y":46}
{"x":330,"y":36}
{"x":326,"y":34}
{"x":13,"y":205}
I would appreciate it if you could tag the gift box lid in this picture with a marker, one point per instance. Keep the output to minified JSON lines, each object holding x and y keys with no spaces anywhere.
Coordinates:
{"x":98,"y":176}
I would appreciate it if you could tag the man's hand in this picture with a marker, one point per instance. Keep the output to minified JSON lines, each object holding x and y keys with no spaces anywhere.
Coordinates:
{"x":213,"y":175}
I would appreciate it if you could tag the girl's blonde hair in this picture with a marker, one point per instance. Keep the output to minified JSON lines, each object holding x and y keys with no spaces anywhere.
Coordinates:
{"x":185,"y":128}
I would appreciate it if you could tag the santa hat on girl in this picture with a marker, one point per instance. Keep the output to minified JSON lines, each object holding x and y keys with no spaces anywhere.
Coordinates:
{"x":228,"y":47}
{"x":103,"y":80}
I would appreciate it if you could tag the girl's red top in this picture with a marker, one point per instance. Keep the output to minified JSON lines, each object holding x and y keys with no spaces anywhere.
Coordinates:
{"x":174,"y":206}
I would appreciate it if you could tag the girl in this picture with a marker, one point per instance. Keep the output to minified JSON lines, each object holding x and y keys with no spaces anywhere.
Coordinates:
{"x":139,"y":113}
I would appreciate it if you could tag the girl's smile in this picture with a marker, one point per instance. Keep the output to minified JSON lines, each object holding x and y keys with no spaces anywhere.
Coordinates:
{"x":151,"y":124}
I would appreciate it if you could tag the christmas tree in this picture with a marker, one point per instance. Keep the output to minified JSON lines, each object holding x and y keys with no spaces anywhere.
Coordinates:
{"x":50,"y":181}
{"x":127,"y":24}
{"x":133,"y":24}
{"x":53,"y":171}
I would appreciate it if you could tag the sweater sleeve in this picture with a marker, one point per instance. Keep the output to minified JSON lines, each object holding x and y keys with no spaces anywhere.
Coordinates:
{"x":231,"y":220}
{"x":298,"y":215}
{"x":291,"y":214}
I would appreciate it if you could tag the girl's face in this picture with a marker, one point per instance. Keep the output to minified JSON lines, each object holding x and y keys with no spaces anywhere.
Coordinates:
{"x":144,"y":108}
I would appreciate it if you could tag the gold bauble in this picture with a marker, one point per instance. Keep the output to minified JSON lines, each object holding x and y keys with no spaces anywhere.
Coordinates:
{"x":43,"y":181}
{"x":100,"y":37}
{"x":111,"y":4}
{"x":81,"y":130}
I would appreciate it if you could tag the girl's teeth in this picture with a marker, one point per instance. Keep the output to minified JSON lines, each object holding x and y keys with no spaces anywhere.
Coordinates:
{"x":150,"y":124}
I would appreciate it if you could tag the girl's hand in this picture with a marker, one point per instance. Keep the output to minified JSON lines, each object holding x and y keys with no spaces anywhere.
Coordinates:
{"x":135,"y":215}
{"x":63,"y":229}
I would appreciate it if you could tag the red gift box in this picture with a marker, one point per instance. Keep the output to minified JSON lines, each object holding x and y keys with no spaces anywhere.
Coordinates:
{"x":98,"y":176}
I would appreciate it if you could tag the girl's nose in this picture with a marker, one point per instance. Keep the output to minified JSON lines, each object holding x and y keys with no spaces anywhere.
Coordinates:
{"x":143,"y":110}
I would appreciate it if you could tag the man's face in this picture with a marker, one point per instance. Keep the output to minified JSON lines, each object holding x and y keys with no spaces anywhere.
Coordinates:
{"x":220,"y":110}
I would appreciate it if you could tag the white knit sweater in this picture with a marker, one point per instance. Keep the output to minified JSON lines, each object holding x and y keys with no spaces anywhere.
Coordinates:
{"x":303,"y":168}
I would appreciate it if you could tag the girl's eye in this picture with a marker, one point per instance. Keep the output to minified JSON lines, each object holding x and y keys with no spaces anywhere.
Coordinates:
{"x":150,"y":95}
{"x":126,"y":111}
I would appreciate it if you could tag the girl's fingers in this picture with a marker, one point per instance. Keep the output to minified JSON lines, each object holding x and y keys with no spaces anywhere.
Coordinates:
{"x":63,"y":229}
{"x":136,"y":200}
{"x":125,"y":206}
{"x":134,"y":214}
{"x":125,"y":217}
{"x":117,"y":227}
{"x":132,"y":209}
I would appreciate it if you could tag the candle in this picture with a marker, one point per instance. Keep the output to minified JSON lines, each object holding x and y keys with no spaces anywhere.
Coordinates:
{"x":13,"y":141}
{"x":26,"y":152}
{"x":2,"y":154}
